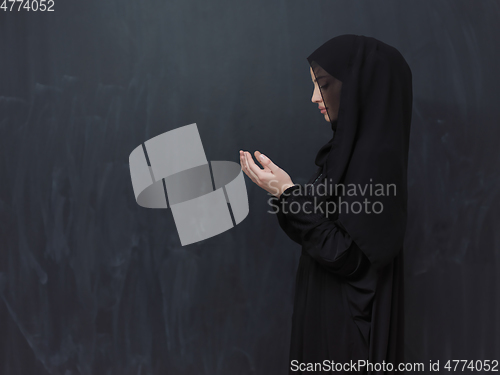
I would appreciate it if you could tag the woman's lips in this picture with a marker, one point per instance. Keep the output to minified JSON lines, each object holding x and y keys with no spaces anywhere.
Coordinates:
{"x":323,"y":111}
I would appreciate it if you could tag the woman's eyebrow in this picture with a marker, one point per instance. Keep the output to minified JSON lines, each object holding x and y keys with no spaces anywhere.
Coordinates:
{"x":314,"y":80}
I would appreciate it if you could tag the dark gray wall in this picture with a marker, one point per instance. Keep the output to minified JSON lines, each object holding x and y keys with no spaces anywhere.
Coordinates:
{"x":91,"y":283}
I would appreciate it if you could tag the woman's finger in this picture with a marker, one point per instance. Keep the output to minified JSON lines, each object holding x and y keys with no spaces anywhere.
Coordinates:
{"x":273,"y":168}
{"x":244,"y":167}
{"x":257,"y":156}
{"x":254,"y":168}
{"x":243,"y":163}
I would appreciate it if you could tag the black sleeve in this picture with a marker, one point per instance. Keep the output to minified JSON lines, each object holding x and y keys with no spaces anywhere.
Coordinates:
{"x":324,"y":239}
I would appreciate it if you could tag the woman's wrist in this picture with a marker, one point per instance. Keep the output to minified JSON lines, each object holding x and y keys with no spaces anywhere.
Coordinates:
{"x":286,"y":190}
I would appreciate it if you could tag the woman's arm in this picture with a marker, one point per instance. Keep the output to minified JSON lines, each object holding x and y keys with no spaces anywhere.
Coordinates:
{"x":324,"y":239}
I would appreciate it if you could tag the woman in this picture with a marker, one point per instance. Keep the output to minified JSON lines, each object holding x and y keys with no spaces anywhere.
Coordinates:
{"x":348,"y":305}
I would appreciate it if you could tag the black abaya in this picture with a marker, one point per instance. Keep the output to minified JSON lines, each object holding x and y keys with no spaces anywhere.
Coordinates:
{"x":337,"y":315}
{"x":348,"y":304}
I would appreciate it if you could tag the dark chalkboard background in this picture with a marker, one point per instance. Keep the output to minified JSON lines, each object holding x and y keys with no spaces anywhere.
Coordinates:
{"x":91,"y":283}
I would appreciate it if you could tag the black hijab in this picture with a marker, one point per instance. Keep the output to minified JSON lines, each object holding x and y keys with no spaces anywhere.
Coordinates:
{"x":371,"y":138}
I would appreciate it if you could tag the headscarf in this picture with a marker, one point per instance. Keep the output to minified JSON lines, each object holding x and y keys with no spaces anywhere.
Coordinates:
{"x":370,"y":141}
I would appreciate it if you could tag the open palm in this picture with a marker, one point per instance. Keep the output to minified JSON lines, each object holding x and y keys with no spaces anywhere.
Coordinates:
{"x":270,"y":178}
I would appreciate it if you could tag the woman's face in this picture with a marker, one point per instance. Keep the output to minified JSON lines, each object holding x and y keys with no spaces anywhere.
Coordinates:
{"x":317,"y":98}
{"x":331,"y":92}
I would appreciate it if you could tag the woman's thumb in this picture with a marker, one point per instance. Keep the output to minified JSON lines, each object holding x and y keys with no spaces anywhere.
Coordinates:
{"x":265,"y":160}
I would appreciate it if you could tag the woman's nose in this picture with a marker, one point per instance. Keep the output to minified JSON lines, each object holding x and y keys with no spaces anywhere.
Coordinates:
{"x":316,"y":97}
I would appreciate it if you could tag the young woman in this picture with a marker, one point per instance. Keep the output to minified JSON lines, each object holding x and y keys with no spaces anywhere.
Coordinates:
{"x":350,"y":218}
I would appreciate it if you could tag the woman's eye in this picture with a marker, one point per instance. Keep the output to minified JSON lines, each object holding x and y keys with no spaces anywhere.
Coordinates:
{"x":321,"y":87}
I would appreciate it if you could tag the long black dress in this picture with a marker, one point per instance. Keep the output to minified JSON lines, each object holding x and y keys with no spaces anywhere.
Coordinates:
{"x":344,"y":309}
{"x":349,"y":287}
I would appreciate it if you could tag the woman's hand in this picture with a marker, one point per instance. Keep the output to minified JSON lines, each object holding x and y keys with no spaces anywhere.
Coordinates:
{"x":272,"y":178}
